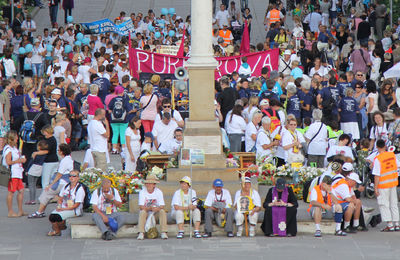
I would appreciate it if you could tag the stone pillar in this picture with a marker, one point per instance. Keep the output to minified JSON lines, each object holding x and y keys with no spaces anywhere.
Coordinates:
{"x":202,"y":131}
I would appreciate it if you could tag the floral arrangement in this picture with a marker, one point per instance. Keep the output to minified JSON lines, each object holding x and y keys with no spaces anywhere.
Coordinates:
{"x":232,"y":161}
{"x":125,"y":182}
{"x":157,"y":171}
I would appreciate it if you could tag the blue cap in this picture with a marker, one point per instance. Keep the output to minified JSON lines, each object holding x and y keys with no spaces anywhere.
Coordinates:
{"x":218,"y":183}
{"x":112,"y":224}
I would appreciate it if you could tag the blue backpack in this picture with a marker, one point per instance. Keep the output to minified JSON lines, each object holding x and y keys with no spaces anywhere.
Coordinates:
{"x":28,"y":130}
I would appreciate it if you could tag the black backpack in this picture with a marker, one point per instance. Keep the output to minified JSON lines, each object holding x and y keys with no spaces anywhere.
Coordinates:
{"x":118,"y":112}
{"x":88,"y":195}
{"x":382,"y":104}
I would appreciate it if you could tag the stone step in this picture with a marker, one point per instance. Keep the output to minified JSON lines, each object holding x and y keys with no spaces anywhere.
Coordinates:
{"x":202,"y":174}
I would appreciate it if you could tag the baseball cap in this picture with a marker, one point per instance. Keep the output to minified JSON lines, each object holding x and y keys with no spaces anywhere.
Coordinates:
{"x":354,"y":176}
{"x":287,"y":52}
{"x":280,"y":183}
{"x":218,"y":183}
{"x":347,"y":167}
{"x":187,"y":180}
{"x":264,"y":102}
{"x":56,"y":91}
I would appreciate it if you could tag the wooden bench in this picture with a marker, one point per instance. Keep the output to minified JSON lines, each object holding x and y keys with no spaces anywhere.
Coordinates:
{"x":158,"y":160}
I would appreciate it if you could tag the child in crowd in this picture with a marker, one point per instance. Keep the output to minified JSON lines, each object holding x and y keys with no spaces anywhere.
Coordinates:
{"x":35,"y":171}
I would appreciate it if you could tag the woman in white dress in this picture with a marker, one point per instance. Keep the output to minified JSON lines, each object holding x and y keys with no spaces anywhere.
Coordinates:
{"x":132,"y":137}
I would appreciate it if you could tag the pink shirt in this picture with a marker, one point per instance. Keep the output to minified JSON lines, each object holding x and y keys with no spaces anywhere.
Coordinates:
{"x":150,"y":112}
{"x":94,"y":103}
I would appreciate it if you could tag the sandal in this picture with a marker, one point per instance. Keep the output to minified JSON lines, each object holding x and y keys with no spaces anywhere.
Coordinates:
{"x":388,"y":229}
{"x":196,"y":234}
{"x":14,"y":215}
{"x":37,"y":215}
{"x":340,"y":233}
{"x":32,"y":202}
{"x":53,"y":234}
{"x":22,"y":214}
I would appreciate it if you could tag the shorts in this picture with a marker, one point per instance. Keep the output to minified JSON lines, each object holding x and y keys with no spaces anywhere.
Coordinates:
{"x":37,"y":69}
{"x":332,"y":14}
{"x":325,"y":214}
{"x":15,"y":184}
{"x":4,"y":129}
{"x":344,"y":205}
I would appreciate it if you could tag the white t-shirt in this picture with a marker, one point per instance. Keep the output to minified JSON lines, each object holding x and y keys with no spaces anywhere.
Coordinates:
{"x":89,"y":158}
{"x":222,"y":17}
{"x":176,"y":115}
{"x":280,"y":152}
{"x":134,"y":139}
{"x":36,"y":57}
{"x":98,"y":143}
{"x":16,"y":169}
{"x":77,"y":196}
{"x":322,"y":71}
{"x":100,"y":201}
{"x":342,"y":192}
{"x":235,"y":126}
{"x":77,"y":79}
{"x":254,"y":196}
{"x":84,"y":71}
{"x":65,"y":167}
{"x":314,"y":19}
{"x":58,"y":131}
{"x":212,"y":197}
{"x":147,"y":199}
{"x":263,"y":138}
{"x":287,"y":138}
{"x":319,"y":142}
{"x":164,"y":132}
{"x":170,"y":146}
{"x":342,"y":150}
{"x":250,"y":130}
{"x":248,"y":115}
{"x":177,"y":199}
{"x":379,"y":132}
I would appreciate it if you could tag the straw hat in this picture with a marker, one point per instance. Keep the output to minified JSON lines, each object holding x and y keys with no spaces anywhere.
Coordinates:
{"x":152,"y":179}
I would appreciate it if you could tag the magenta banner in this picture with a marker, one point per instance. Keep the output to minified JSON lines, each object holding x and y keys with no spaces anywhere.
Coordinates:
{"x":149,"y":62}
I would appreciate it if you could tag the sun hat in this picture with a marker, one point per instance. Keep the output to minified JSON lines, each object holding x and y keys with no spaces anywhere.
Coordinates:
{"x":187,"y":180}
{"x":151,"y":179}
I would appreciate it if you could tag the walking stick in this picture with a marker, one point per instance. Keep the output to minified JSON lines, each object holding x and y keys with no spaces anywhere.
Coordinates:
{"x":246,"y":227}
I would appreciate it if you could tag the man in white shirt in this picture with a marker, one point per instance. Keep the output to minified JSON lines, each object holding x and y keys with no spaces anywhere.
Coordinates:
{"x":28,"y":26}
{"x":98,"y":132}
{"x":222,"y":16}
{"x":173,"y":145}
{"x":316,"y":137}
{"x":313,"y":19}
{"x":285,"y":63}
{"x":69,"y":36}
{"x":164,"y":130}
{"x":175,"y":115}
{"x":86,"y":70}
{"x":219,"y":207}
{"x":105,"y":201}
{"x":151,"y":202}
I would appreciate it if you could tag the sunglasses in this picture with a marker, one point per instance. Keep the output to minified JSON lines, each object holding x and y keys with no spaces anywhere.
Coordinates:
{"x":72,"y":175}
{"x":166,"y":106}
{"x":358,"y":87}
{"x":360,"y":75}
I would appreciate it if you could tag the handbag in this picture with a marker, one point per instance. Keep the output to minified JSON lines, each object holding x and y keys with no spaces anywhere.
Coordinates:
{"x":5,"y":174}
{"x":150,"y":227}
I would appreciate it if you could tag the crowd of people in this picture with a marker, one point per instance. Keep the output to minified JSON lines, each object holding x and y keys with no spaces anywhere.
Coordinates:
{"x":64,"y":90}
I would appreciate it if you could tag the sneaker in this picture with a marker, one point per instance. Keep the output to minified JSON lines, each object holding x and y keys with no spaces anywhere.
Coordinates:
{"x":318,"y":233}
{"x":340,"y":233}
{"x":37,"y":214}
{"x":110,"y":235}
{"x":196,"y":234}
{"x":252,"y":232}
{"x":363,"y":229}
{"x":229,"y":234}
{"x":397,"y":228}
{"x":388,"y":229}
{"x":140,"y":236}
{"x":350,"y":230}
{"x":164,"y":235}
{"x":103,"y":236}
{"x":207,"y":235}
{"x":239,"y":231}
{"x":180,"y":235}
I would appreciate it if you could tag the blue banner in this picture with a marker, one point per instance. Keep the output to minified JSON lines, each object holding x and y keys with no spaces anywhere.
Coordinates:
{"x":106,"y":25}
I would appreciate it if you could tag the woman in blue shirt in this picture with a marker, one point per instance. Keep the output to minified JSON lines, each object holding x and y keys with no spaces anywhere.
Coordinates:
{"x":348,"y":109}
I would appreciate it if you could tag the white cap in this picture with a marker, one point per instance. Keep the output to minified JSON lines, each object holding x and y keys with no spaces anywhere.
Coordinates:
{"x":347,"y":167}
{"x":354,"y":176}
{"x":287,"y":52}
{"x":56,"y":91}
{"x":264,"y":102}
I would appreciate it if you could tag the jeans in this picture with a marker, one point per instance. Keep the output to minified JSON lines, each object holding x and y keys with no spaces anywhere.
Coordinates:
{"x":67,"y":12}
{"x":236,"y":142}
{"x":48,"y":170}
{"x":37,"y":69}
{"x":53,"y":10}
{"x":118,"y":129}
{"x":210,"y":215}
{"x":32,"y":180}
{"x":100,"y":224}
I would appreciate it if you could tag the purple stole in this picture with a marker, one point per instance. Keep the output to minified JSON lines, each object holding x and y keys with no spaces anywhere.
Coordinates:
{"x":279,"y":213}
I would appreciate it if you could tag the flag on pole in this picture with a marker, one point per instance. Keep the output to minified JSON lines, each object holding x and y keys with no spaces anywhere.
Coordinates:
{"x":181,"y":47}
{"x":245,"y":44}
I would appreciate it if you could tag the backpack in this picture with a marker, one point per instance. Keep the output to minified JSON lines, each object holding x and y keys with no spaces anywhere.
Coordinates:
{"x":88,"y":195}
{"x":382,"y":105}
{"x":28,"y":130}
{"x":118,"y":111}
{"x":275,"y":122}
